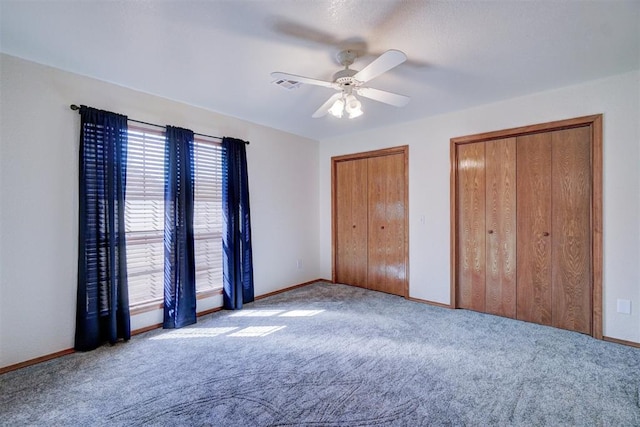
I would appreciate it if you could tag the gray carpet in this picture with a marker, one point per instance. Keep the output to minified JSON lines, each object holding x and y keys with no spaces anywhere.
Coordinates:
{"x":333,"y":355}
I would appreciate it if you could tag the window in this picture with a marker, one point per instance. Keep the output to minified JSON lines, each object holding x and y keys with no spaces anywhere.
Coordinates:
{"x":207,"y":215}
{"x":144,"y":216}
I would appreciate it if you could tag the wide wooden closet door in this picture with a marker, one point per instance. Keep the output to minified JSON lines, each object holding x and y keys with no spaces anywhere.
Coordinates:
{"x":369,"y":214}
{"x":525,"y":220}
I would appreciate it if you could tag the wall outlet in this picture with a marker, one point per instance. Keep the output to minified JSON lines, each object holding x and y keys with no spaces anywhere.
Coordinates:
{"x":624,"y":306}
{"x":299,"y":264}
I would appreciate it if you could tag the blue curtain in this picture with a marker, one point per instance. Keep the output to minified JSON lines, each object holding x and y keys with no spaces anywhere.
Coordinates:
{"x":179,"y":261}
{"x":102,"y":312}
{"x":236,"y":226}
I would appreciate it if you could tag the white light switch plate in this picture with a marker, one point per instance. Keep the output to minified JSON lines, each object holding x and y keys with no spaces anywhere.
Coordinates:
{"x":624,"y":306}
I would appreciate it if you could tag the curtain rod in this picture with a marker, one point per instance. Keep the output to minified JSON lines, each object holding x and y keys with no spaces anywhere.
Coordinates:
{"x":75,"y":107}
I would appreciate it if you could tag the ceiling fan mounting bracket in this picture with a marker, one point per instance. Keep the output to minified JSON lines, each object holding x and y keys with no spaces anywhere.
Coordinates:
{"x":346,"y":57}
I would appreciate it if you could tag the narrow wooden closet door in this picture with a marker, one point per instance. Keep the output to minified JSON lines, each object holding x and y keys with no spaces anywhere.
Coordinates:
{"x":351,"y":222}
{"x":387,"y":264}
{"x":534,"y":249}
{"x":571,"y":266}
{"x":500,"y":161}
{"x":471,"y":226}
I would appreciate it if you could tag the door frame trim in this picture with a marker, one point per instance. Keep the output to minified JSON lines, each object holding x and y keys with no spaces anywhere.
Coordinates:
{"x":402,"y":149}
{"x":595,"y":122}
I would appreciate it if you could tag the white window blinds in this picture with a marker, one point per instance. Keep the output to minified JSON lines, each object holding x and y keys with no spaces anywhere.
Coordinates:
{"x":144,"y":216}
{"x":207,"y":217}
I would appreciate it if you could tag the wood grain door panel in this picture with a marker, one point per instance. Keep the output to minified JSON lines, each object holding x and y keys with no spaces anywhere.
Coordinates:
{"x":386,"y":191}
{"x":471,"y":227}
{"x":558,"y":223}
{"x":571,"y":192}
{"x":500,"y":175}
{"x":534,"y":252}
{"x":351,"y":222}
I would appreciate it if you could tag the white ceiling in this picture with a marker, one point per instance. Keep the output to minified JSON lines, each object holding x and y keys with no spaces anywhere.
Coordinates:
{"x":219,"y":54}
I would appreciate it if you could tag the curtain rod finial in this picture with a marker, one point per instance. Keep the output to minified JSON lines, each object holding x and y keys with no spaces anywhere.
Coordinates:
{"x":74,"y":107}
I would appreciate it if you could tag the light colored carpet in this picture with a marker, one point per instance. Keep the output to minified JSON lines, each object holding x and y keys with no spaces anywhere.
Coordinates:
{"x":333,"y":355}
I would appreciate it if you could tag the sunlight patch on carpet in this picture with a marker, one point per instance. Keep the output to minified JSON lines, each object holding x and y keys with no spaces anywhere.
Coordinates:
{"x":256,"y":313}
{"x":194,"y":333}
{"x":256,"y":331}
{"x":300,"y":313}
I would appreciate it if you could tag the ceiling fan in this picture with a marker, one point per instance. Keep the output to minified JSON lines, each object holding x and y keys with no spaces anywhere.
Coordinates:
{"x":350,"y":82}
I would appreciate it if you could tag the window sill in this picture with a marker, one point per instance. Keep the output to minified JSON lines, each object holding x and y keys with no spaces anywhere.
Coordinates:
{"x":158,"y":305}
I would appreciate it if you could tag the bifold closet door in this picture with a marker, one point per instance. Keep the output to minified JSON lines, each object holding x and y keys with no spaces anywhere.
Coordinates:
{"x":386,"y":254}
{"x":554,"y":229}
{"x":534,"y":228}
{"x":500,"y":205}
{"x":471,"y":231}
{"x":487,"y":226}
{"x":351,"y":222}
{"x":526,"y":223}
{"x":571,"y":238}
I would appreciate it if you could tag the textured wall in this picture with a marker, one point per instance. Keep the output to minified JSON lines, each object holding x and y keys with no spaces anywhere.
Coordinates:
{"x":39,"y":199}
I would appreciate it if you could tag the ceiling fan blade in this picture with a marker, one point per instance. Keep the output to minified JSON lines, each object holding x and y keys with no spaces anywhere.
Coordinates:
{"x":390,"y":98}
{"x":305,"y":80}
{"x":324,"y":108}
{"x":385,"y":62}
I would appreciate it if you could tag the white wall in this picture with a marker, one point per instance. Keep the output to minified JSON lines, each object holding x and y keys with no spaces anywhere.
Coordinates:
{"x":39,"y":199}
{"x":290,"y":193}
{"x":617,"y":97}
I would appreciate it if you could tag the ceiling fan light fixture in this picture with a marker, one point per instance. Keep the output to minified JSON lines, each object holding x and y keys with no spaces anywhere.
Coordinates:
{"x":353,"y":107}
{"x":337,"y":108}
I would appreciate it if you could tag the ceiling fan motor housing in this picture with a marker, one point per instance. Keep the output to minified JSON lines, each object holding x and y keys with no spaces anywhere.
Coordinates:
{"x":345,"y":77}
